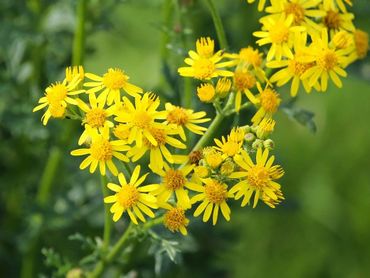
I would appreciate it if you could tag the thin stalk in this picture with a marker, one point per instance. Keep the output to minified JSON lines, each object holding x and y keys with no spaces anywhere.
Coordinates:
{"x":218,"y":24}
{"x":79,"y":36}
{"x":107,"y":216}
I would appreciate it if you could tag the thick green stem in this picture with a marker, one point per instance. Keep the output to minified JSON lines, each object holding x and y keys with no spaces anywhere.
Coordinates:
{"x":79,"y":36}
{"x":218,"y":24}
{"x":107,"y":216}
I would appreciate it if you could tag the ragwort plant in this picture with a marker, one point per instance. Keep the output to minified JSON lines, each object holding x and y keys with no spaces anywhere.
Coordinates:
{"x":307,"y":43}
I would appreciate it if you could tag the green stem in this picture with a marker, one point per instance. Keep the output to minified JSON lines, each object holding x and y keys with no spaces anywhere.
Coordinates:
{"x":100,"y":266}
{"x":218,"y":24}
{"x":79,"y":37}
{"x":107,"y":216}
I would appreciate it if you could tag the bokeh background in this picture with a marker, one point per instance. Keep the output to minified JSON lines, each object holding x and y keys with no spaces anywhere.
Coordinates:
{"x":322,"y":229}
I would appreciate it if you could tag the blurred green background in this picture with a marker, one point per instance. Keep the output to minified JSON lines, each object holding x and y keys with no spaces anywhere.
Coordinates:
{"x":322,"y":229}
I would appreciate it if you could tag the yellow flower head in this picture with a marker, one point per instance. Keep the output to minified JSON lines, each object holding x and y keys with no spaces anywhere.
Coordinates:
{"x":261,"y":4}
{"x":140,"y":118}
{"x":265,"y":128}
{"x":204,"y":64}
{"x":206,"y":92}
{"x":293,"y":68}
{"x":303,"y":12}
{"x":258,"y":178}
{"x":96,"y":116}
{"x":213,"y":196}
{"x":362,"y":43}
{"x":101,"y":152}
{"x":229,"y":147}
{"x":280,"y":34}
{"x":110,"y":85}
{"x":223,"y":87}
{"x":57,"y":97}
{"x":121,"y":131}
{"x":132,"y":198}
{"x":244,"y":80}
{"x":175,"y":220}
{"x":180,"y":117}
{"x":175,"y":183}
{"x":161,"y":134}
{"x":212,"y":157}
{"x":336,"y":21}
{"x":329,"y":62}
{"x":268,"y":102}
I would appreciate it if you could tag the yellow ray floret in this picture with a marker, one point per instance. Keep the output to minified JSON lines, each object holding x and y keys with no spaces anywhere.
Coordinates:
{"x":132,"y":198}
{"x":101,"y":152}
{"x":258,"y":179}
{"x":110,"y":85}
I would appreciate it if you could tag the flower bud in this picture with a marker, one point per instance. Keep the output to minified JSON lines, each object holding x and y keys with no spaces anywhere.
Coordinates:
{"x":257,"y":144}
{"x":227,"y":167}
{"x":249,"y":137}
{"x":269,"y":144}
{"x":201,"y":171}
{"x":206,"y":92}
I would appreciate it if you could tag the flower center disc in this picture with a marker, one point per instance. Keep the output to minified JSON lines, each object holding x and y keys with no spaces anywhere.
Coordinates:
{"x":203,"y":68}
{"x":177,"y":116}
{"x":244,"y":80}
{"x":279,"y":33}
{"x":96,"y":117}
{"x":258,"y":177}
{"x":270,"y":100}
{"x":101,"y":150}
{"x":332,"y":20}
{"x":296,"y":10}
{"x":216,"y":192}
{"x":57,"y":93}
{"x":128,"y":196}
{"x":174,"y":219}
{"x":174,"y":179}
{"x":114,"y":79}
{"x":328,"y":60}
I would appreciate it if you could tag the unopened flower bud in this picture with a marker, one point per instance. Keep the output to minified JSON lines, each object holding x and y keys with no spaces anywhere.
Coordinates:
{"x":257,"y":144}
{"x":227,"y":167}
{"x":201,"y":171}
{"x":269,"y":144}
{"x":206,"y":92}
{"x":249,"y":137}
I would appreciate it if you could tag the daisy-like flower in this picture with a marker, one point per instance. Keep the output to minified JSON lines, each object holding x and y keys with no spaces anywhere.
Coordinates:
{"x":213,"y":157}
{"x":302,"y":10}
{"x":336,"y":21}
{"x":258,"y":178}
{"x":132,"y":198}
{"x":265,"y":128}
{"x":111,"y":84}
{"x":140,"y":118}
{"x":175,"y":183}
{"x":244,"y":80}
{"x":96,"y":116}
{"x":180,"y":117}
{"x":361,"y":45}
{"x":261,"y":4}
{"x":213,"y":196}
{"x":101,"y":152}
{"x":206,"y":92}
{"x":57,"y":97}
{"x":267,"y":102}
{"x":293,"y":68}
{"x":204,"y":64}
{"x":175,"y":220}
{"x":329,"y":62}
{"x":328,"y":4}
{"x":223,"y":87}
{"x":246,"y":58}
{"x":162,"y":136}
{"x":280,"y":34}
{"x":232,"y":145}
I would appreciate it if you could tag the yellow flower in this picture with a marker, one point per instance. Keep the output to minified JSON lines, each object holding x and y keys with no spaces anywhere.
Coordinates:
{"x":362,"y":43}
{"x":175,"y":182}
{"x":223,"y":87}
{"x":329,"y":62}
{"x":121,"y":131}
{"x":161,"y":135}
{"x":132,"y":198}
{"x":57,"y":97}
{"x":101,"y":152}
{"x":112,"y":82}
{"x":265,"y":128}
{"x":175,"y":220}
{"x":213,"y":195}
{"x":96,"y":116}
{"x":303,"y":11}
{"x":280,"y":34}
{"x":204,"y":64}
{"x":336,"y":21}
{"x":206,"y":92}
{"x":244,"y":80}
{"x":75,"y":72}
{"x":268,"y":102}
{"x":258,"y":178}
{"x":180,"y":117}
{"x":141,"y":118}
{"x":229,"y":147}
{"x":261,"y":4}
{"x":212,"y":157}
{"x":293,"y":68}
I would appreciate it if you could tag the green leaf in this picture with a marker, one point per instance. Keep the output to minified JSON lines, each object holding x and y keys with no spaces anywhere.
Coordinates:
{"x":302,"y":116}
